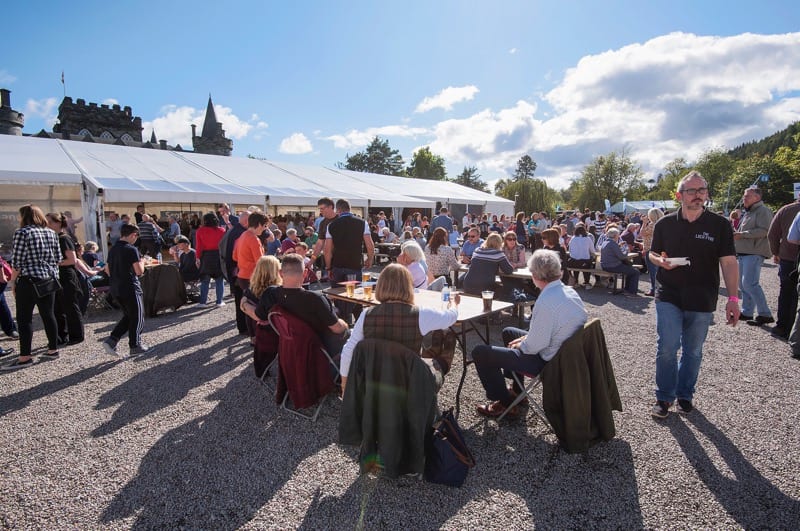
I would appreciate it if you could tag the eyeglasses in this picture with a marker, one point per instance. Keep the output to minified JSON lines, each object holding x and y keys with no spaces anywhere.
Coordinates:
{"x":471,"y":236}
{"x":694,"y":191}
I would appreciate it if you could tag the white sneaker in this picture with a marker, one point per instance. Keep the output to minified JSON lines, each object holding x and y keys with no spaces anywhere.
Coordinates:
{"x":220,"y":304}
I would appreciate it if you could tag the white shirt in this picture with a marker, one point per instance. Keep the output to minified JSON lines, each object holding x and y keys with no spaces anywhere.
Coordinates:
{"x":557,"y":314}
{"x":429,"y":319}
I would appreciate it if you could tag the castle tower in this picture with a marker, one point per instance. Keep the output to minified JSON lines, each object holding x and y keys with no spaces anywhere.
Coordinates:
{"x":212,"y":139}
{"x":11,"y":121}
{"x":100,"y":121}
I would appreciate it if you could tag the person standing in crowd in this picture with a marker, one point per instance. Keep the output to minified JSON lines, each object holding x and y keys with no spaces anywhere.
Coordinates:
{"x":653,"y":215}
{"x":113,"y":225}
{"x":346,"y":235}
{"x":752,"y":246}
{"x":68,"y":299}
{"x":71,"y":225}
{"x":174,"y":230}
{"x":225,"y":219}
{"x":230,"y":269}
{"x":246,"y":252}
{"x":327,"y":213}
{"x":35,"y":257}
{"x":442,"y":220}
{"x":139,"y":214}
{"x":124,"y":267}
{"x":149,"y":238}
{"x":558,"y":313}
{"x":7,"y":323}
{"x":784,"y":253}
{"x":208,"y":237}
{"x":686,"y":296}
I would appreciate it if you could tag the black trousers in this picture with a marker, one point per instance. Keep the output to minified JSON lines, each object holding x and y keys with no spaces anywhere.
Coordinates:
{"x":26,"y":300}
{"x":241,"y":317}
{"x":68,"y":308}
{"x":132,"y":320}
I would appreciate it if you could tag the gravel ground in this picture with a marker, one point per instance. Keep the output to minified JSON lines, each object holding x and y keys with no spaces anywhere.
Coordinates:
{"x":187,"y":438}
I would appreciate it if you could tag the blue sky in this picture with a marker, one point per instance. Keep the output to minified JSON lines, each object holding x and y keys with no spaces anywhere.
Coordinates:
{"x":481,"y":83}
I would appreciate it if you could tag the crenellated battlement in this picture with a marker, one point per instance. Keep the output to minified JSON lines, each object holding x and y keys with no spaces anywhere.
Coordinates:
{"x":77,"y":116}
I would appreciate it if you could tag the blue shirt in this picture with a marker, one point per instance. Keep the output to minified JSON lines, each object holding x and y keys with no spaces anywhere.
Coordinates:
{"x":469,"y":246}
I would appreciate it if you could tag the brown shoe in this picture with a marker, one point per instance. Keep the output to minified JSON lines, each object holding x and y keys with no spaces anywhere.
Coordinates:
{"x":495,"y":409}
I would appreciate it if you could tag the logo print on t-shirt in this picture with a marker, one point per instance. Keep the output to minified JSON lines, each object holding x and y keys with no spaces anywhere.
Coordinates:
{"x":704,"y":236}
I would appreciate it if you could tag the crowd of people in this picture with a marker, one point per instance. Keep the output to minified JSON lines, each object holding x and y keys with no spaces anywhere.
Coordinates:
{"x":270,"y":261}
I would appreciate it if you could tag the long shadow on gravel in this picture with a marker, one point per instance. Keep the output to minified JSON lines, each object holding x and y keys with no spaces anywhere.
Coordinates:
{"x":560,"y":491}
{"x":166,"y":383}
{"x":749,"y":497}
{"x":22,"y":399}
{"x":218,"y":470}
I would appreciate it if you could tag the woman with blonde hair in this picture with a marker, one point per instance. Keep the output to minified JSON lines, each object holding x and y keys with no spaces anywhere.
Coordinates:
{"x":646,"y":233}
{"x":266,"y":274}
{"x":398,"y":319}
{"x":487,"y":261}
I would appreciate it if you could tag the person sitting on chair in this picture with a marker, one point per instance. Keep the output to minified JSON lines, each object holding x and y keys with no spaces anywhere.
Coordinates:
{"x":558,"y":313}
{"x":398,"y":319}
{"x":310,"y":306}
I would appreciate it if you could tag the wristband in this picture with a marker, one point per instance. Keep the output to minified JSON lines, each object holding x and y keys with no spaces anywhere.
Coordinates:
{"x":733,"y":299}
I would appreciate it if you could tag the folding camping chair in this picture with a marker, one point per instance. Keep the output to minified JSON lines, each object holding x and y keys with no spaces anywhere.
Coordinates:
{"x":299,"y":347}
{"x":527,"y":392}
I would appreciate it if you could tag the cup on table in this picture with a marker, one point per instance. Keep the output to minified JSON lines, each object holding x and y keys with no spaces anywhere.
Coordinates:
{"x":487,"y":297}
{"x":351,"y":285}
{"x":367,"y":290}
{"x":366,"y":277}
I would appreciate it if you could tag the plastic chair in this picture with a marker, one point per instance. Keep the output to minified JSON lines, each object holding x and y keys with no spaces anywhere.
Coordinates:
{"x":299,"y":347}
{"x":437,"y":284}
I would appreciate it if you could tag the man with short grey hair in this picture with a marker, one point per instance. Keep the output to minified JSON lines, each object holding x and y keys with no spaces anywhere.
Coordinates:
{"x":558,"y":313}
{"x":752,"y":246}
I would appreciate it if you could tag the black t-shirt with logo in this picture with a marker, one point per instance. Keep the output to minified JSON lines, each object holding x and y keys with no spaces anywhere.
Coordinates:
{"x":694,"y":287}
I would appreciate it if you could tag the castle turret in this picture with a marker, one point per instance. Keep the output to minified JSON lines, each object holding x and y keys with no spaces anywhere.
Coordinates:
{"x":212,"y":139}
{"x":11,"y":121}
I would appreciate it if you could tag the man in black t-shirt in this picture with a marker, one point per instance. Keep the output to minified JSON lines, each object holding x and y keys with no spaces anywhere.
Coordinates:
{"x":124,"y":267}
{"x":310,"y":306}
{"x":688,"y":292}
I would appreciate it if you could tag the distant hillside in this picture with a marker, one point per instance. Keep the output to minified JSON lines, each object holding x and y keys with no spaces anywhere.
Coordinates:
{"x":768,"y":145}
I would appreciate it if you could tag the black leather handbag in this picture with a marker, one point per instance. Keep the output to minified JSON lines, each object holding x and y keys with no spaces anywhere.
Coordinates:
{"x":45,"y":287}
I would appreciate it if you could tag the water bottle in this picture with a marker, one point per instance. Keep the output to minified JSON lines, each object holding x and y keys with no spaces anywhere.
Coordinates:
{"x":159,"y":258}
{"x":445,"y":296}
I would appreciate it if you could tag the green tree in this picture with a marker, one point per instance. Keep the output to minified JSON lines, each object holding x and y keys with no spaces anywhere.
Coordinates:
{"x":717,"y":168}
{"x":471,"y":178}
{"x":378,"y":157}
{"x":526,"y":166}
{"x":530,"y":195}
{"x":614,"y":177}
{"x":668,"y":180}
{"x":426,"y":165}
{"x":500,"y":185}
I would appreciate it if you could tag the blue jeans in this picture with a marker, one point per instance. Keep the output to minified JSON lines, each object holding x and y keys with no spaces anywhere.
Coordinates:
{"x":631,"y":276}
{"x":685,"y":330}
{"x":752,"y":295}
{"x":6,"y":320}
{"x":205,"y":283}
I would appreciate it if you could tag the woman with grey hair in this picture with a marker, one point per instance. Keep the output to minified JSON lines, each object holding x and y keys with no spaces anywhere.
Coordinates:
{"x":613,"y":260}
{"x":558,"y":313}
{"x":646,"y":233}
{"x":413,"y":258}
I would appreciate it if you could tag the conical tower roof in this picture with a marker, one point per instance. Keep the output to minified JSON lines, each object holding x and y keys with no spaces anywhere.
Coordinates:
{"x":210,"y":125}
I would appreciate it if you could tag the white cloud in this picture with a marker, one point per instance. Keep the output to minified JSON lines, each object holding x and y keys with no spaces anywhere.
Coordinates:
{"x":676,"y":95}
{"x":174,"y":124}
{"x":6,"y":78}
{"x":296,"y":144}
{"x":512,"y":51}
{"x":447,"y":98}
{"x":262,"y":125}
{"x":110,"y":101}
{"x":356,"y":139}
{"x":44,"y":109}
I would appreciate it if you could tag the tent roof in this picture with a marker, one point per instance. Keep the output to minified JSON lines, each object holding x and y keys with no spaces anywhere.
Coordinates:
{"x":27,"y":160}
{"x":444,"y":191}
{"x":642,"y":206}
{"x":127,"y":174}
